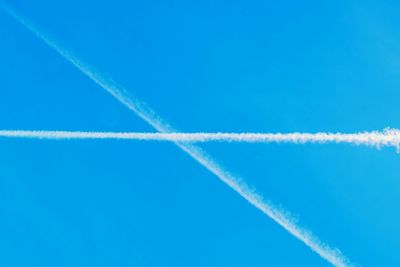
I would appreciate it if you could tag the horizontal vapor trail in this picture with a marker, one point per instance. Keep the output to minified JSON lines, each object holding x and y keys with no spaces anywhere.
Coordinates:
{"x":141,"y":109}
{"x":387,"y":137}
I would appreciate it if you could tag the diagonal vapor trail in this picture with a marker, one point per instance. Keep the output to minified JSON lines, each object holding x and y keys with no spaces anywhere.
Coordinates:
{"x":331,"y":255}
{"x":388,"y":137}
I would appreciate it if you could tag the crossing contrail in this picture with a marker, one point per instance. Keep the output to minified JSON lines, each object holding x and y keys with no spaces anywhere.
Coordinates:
{"x":387,"y":137}
{"x":331,"y":255}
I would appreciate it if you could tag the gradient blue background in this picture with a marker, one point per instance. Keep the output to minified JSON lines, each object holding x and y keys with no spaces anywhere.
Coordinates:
{"x":203,"y":66}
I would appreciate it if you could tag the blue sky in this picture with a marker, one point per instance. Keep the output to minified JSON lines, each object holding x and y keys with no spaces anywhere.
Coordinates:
{"x":212,"y":66}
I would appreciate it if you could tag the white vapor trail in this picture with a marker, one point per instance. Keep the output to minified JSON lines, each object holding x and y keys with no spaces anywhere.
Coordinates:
{"x":331,"y":255}
{"x":387,"y":137}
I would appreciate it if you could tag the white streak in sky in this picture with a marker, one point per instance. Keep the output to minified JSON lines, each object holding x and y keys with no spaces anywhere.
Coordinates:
{"x":332,"y":255}
{"x":387,"y":137}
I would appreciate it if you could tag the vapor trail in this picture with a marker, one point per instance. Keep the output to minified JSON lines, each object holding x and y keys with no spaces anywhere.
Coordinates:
{"x":332,"y":255}
{"x":387,"y":137}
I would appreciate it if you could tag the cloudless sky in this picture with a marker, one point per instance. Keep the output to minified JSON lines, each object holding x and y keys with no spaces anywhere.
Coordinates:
{"x":231,"y":66}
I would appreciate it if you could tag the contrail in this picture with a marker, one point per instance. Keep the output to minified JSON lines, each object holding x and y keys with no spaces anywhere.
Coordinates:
{"x":387,"y":137}
{"x":331,"y":255}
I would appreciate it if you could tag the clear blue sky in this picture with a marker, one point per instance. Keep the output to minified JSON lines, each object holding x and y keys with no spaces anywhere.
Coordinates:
{"x":204,"y":66}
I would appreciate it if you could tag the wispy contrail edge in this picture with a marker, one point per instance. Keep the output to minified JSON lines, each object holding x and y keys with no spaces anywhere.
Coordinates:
{"x":332,"y":255}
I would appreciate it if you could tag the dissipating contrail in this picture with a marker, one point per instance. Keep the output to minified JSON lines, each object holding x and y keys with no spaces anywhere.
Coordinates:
{"x":386,"y":138}
{"x":330,"y":254}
